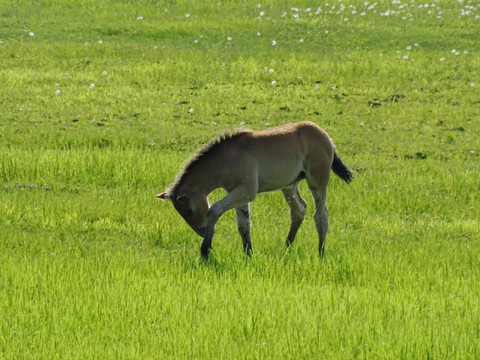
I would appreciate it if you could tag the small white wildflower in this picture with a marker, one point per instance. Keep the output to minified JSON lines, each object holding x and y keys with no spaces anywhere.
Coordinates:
{"x":140,"y":18}
{"x":258,"y":34}
{"x":405,"y":57}
{"x":465,"y":52}
{"x":196,"y":41}
{"x":214,"y":123}
{"x":442,"y":59}
{"x":259,"y":6}
{"x":409,"y":47}
{"x":31,"y":34}
{"x":100,"y":41}
{"x":472,"y":84}
{"x":190,"y":110}
{"x":271,"y":71}
{"x":262,"y":13}
{"x":362,"y":123}
{"x":187,"y":15}
{"x":57,"y":92}
{"x":453,"y":51}
{"x":92,"y":85}
{"x":274,"y":43}
{"x":104,"y":72}
{"x":274,"y":83}
{"x":301,"y":40}
{"x":229,"y":38}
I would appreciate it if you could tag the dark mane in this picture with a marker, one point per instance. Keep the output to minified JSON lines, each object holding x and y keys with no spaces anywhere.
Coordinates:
{"x":201,"y":154}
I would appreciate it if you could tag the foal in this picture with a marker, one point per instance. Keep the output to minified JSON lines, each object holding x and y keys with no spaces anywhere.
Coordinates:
{"x":245,"y":163}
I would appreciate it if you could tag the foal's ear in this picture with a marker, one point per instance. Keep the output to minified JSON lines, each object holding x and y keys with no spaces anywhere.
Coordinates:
{"x":162,"y":196}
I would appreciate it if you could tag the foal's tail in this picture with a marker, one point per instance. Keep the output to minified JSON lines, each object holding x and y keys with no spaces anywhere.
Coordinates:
{"x":341,"y":170}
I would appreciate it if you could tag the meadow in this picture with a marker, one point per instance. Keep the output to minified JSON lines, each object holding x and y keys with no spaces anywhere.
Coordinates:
{"x":102,"y":101}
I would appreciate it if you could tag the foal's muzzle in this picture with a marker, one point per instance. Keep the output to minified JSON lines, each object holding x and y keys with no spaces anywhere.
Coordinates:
{"x":201,"y":231}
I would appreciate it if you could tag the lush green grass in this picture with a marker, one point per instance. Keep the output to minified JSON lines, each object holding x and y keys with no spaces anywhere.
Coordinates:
{"x":92,"y":266}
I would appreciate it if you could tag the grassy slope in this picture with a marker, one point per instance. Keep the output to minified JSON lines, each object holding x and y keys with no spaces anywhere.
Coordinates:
{"x":92,"y":266}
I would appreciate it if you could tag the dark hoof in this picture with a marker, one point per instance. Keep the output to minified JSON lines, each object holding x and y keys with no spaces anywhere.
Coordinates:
{"x":205,"y":251}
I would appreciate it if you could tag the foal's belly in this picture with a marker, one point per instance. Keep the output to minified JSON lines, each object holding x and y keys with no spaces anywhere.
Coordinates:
{"x":278,"y":177}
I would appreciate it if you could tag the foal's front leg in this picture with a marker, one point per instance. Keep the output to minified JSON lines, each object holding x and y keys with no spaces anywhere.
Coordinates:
{"x":243,"y":224}
{"x":238,"y":197}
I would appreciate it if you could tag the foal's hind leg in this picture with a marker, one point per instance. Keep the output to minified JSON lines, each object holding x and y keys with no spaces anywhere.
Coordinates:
{"x":297,"y":210}
{"x":318,"y":187}
{"x":243,"y":223}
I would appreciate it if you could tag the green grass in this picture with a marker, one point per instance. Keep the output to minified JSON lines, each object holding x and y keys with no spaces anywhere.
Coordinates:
{"x":92,"y":266}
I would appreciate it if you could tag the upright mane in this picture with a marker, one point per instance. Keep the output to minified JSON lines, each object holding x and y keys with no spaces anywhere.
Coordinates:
{"x":201,"y":154}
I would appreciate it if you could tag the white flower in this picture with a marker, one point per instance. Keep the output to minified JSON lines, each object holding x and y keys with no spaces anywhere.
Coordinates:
{"x":274,"y":43}
{"x":259,"y":6}
{"x":229,"y":38}
{"x":271,"y":71}
{"x":187,"y":15}
{"x":262,"y":13}
{"x":472,"y":84}
{"x":301,"y":40}
{"x":442,"y":59}
{"x":190,"y":110}
{"x":274,"y":83}
{"x":100,"y":41}
{"x":104,"y":73}
{"x":57,"y":92}
{"x":92,"y":85}
{"x":140,"y":18}
{"x":31,"y":34}
{"x":258,"y":34}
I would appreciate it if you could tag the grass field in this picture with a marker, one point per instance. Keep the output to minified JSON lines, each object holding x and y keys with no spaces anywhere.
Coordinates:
{"x":102,"y":101}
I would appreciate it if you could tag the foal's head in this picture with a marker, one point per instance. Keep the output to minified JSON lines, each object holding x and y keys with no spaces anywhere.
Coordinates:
{"x":193,"y":209}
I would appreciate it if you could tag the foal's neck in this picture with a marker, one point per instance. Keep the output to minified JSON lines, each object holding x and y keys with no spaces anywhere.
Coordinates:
{"x":202,"y":180}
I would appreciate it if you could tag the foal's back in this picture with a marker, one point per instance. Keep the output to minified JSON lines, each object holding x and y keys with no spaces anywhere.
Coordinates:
{"x":280,"y":155}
